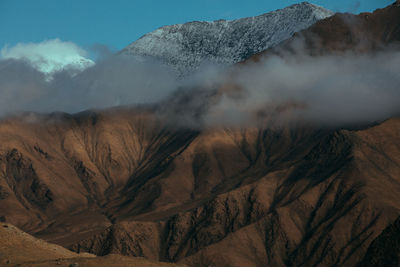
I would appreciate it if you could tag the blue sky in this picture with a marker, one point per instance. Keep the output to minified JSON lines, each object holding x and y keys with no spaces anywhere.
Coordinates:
{"x":117,"y":23}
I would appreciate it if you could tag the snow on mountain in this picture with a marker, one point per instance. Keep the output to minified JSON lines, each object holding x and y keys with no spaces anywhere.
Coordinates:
{"x":187,"y":46}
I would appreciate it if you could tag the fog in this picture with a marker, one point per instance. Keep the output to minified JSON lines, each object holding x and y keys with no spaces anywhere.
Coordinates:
{"x":113,"y":81}
{"x":335,"y":89}
{"x":325,"y":90}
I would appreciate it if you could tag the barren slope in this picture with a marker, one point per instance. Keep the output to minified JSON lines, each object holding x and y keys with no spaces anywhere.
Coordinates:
{"x":124,"y":181}
{"x":20,"y":249}
{"x":296,"y":195}
{"x":324,"y":207}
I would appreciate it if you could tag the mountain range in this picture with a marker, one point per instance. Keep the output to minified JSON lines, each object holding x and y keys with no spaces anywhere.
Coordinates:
{"x":126,"y":181}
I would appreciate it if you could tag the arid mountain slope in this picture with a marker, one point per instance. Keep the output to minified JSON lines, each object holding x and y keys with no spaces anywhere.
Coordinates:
{"x":295,"y":195}
{"x":59,"y":166}
{"x":126,"y":181}
{"x":321,"y":209}
{"x":20,"y":249}
{"x":17,"y":247}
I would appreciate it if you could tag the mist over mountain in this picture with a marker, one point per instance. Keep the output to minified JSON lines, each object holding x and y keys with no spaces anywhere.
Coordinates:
{"x":288,"y":158}
{"x":239,"y":95}
{"x":290,"y":84}
{"x":49,"y":57}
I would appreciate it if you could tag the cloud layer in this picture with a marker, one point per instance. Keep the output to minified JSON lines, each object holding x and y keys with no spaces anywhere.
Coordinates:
{"x":49,"y":56}
{"x":328,"y":90}
{"x":111,"y":82}
{"x":333,"y":89}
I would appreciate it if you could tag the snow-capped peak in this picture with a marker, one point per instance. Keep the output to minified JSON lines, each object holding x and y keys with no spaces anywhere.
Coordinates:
{"x":187,"y":46}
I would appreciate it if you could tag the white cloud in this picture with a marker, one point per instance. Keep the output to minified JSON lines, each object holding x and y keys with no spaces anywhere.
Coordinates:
{"x":49,"y":56}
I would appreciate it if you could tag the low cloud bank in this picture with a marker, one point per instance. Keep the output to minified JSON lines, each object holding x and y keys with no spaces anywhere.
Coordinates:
{"x":111,"y":82}
{"x":334,"y":89}
{"x":49,"y":56}
{"x":326,"y":90}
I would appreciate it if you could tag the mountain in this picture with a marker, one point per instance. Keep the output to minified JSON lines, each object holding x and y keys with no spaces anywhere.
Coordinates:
{"x":122,"y":182}
{"x":187,"y":46}
{"x":21,"y":249}
{"x":127,"y":181}
{"x":366,"y":32}
{"x":261,"y":197}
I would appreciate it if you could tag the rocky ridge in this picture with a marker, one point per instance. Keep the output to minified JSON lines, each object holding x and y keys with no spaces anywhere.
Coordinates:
{"x":187,"y":46}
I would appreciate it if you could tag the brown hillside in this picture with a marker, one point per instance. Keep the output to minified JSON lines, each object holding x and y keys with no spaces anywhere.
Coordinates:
{"x":118,"y":183}
{"x":20,"y":249}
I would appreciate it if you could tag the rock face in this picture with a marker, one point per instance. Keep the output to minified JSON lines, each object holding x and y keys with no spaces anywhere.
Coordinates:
{"x":186,"y":46}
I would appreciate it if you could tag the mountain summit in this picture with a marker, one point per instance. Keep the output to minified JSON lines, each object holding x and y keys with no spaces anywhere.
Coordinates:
{"x":187,"y":46}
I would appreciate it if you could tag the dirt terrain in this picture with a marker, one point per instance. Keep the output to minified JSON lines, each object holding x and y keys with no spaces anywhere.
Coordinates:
{"x":21,"y":249}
